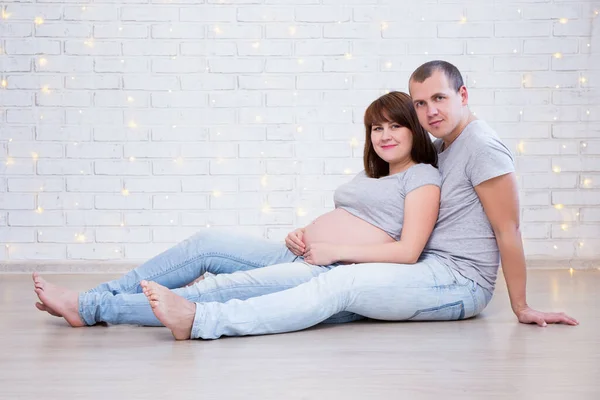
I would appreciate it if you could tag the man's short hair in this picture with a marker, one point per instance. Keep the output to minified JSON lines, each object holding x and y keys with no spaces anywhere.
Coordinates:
{"x":426,"y":70}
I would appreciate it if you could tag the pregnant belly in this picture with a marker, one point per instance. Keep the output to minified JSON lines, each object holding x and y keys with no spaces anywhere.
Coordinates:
{"x":341,"y":227}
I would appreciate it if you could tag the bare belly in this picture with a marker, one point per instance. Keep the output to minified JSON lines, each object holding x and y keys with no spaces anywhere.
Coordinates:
{"x":341,"y":227}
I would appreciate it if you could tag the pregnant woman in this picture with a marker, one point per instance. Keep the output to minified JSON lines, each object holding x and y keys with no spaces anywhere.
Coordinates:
{"x":385,"y":214}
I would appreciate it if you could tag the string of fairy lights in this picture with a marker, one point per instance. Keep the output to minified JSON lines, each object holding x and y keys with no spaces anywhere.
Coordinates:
{"x":354,"y":143}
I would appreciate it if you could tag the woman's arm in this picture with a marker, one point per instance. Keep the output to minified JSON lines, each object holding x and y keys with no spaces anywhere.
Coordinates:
{"x":421,"y":208}
{"x":500,"y":201}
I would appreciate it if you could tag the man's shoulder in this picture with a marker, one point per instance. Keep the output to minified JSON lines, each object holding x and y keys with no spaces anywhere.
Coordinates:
{"x":480,"y":136}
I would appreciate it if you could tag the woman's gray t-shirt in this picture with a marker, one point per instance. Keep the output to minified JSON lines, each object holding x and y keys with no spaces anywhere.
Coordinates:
{"x":463,"y":236}
{"x":381,"y":201}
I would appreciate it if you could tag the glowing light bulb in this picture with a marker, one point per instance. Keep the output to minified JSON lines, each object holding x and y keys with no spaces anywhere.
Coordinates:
{"x":559,"y":206}
{"x":38,"y":20}
{"x":125,"y":192}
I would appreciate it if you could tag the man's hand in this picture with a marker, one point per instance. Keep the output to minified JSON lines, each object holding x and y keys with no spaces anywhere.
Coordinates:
{"x":294,"y":242}
{"x":528,"y":315}
{"x":322,"y":254}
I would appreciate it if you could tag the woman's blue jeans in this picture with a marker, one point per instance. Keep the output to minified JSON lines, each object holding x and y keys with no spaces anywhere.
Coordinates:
{"x":257,"y":286}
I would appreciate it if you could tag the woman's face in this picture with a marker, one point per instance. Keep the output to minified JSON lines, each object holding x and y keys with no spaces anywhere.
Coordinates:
{"x":392,"y":142}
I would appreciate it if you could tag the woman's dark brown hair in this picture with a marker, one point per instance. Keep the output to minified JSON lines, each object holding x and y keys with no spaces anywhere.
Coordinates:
{"x":396,"y":107}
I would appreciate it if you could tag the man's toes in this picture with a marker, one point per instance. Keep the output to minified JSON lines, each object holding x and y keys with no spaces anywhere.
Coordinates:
{"x":154,"y":296}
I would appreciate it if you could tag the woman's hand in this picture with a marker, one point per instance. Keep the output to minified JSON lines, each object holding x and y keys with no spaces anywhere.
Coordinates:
{"x":528,"y":315}
{"x":322,"y":254}
{"x":294,"y":242}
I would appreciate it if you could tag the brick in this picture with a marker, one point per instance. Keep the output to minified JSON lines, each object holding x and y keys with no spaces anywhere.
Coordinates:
{"x":34,"y":219}
{"x":179,"y":65}
{"x":178,"y":31}
{"x":36,"y":185}
{"x":292,"y":31}
{"x":120,"y":31}
{"x":584,"y":198}
{"x":210,"y":184}
{"x":186,"y":167}
{"x":522,"y":29}
{"x":37,"y":150}
{"x":550,"y":181}
{"x":323,"y":14}
{"x":120,"y":134}
{"x":93,"y":218}
{"x":15,"y":64}
{"x":105,"y":12}
{"x":94,"y":252}
{"x":63,"y":30}
{"x":241,"y":65}
{"x":33,"y":47}
{"x":65,"y":201}
{"x":209,"y":150}
{"x":237,"y":167}
{"x":472,"y":29}
{"x":270,"y":150}
{"x":93,"y":185}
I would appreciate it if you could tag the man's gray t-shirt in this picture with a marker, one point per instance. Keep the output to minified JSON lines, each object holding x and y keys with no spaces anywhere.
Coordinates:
{"x":463,"y":236}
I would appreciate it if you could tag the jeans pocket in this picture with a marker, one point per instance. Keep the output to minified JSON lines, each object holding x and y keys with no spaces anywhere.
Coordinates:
{"x":447,"y":312}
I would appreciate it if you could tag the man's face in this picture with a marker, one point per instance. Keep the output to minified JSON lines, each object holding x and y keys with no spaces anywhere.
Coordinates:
{"x":439,"y":107}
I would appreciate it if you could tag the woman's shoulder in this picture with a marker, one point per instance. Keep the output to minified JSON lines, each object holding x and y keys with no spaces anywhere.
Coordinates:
{"x":422,"y":174}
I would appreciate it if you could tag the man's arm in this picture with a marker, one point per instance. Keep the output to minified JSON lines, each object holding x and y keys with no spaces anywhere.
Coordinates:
{"x":500,"y":200}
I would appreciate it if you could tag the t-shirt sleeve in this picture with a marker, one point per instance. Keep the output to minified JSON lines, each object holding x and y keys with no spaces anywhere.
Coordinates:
{"x":421,"y":175}
{"x":492,"y":160}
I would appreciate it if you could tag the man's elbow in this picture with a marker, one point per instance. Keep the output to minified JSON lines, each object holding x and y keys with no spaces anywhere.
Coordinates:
{"x":508,"y":229}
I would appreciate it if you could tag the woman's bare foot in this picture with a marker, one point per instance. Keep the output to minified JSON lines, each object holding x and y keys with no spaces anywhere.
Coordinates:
{"x":62,"y":302}
{"x":175,"y":312}
{"x":41,"y":306}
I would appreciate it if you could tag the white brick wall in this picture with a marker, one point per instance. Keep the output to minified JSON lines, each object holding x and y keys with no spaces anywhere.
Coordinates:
{"x":127,"y":126}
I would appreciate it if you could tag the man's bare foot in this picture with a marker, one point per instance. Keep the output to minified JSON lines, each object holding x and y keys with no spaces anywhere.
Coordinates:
{"x":175,"y":312}
{"x":62,"y":302}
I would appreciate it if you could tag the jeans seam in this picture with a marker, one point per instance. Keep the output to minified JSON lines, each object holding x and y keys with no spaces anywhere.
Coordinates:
{"x":190,"y":260}
{"x":285,"y":287}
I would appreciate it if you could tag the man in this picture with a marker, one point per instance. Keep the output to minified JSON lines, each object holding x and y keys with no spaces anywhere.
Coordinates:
{"x":491,"y":225}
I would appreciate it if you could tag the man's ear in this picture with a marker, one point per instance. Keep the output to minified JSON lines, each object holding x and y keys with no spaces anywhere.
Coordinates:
{"x":464,"y":95}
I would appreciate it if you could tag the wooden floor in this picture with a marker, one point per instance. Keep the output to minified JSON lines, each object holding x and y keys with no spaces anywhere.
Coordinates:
{"x":491,"y":356}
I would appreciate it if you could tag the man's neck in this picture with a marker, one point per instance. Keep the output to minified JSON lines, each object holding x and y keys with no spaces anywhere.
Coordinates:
{"x":448,"y":140}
